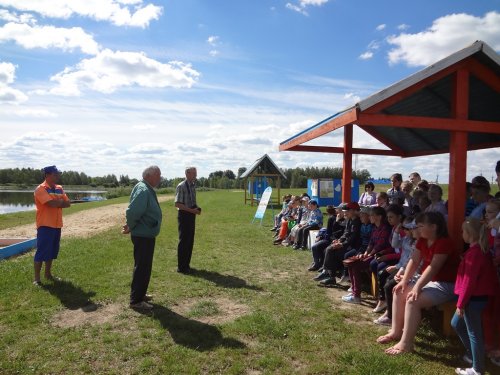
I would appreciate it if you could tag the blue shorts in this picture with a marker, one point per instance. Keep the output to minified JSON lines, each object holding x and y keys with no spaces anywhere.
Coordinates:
{"x":47,"y":243}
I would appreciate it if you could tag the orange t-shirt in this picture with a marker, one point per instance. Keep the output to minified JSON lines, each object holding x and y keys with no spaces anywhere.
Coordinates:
{"x":47,"y":216}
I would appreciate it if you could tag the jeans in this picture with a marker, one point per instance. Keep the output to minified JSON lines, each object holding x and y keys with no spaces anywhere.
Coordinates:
{"x":470,"y":331}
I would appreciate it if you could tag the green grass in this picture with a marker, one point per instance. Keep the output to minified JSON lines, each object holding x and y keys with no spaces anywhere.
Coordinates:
{"x":290,"y":325}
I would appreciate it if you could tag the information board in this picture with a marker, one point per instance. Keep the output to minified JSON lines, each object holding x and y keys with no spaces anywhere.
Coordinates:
{"x":259,"y":214}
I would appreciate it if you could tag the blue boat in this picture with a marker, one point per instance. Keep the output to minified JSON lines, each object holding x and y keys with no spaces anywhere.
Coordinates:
{"x":15,"y":246}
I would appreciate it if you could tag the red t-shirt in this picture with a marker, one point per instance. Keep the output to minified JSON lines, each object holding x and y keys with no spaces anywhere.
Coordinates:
{"x":448,"y":272}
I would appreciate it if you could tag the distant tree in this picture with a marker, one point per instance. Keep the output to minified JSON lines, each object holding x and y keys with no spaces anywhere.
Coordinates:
{"x":241,"y":170}
{"x":229,"y":174}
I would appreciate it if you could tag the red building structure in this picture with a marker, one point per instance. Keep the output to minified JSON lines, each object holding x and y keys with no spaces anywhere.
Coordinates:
{"x":450,"y":107}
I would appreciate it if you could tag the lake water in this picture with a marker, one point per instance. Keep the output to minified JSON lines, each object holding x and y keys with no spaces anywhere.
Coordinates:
{"x":22,"y":200}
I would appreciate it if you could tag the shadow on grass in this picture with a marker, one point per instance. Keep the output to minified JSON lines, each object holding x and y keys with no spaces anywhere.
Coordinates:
{"x":71,"y":296}
{"x":226,"y":281}
{"x":191,"y":333}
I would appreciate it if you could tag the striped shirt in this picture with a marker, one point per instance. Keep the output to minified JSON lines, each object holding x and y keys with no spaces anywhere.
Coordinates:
{"x":185,"y":193}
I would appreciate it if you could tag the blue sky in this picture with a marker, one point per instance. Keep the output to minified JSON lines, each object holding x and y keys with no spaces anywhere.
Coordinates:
{"x":111,"y":86}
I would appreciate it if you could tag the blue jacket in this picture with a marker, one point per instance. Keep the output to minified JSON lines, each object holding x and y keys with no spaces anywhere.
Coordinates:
{"x":315,"y":218}
{"x":144,"y":213}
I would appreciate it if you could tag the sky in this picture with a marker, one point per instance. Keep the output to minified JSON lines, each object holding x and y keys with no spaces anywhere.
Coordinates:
{"x":112,"y":86}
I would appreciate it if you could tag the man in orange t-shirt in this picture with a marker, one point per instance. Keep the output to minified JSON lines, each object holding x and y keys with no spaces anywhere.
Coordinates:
{"x":50,"y":199}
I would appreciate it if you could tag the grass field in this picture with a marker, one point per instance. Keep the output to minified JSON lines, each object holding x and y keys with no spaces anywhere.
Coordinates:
{"x":250,"y":308}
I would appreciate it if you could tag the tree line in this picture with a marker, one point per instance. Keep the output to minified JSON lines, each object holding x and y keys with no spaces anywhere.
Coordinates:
{"x":295,"y":178}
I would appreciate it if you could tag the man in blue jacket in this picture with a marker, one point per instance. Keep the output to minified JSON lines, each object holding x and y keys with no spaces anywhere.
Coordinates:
{"x":143,"y":223}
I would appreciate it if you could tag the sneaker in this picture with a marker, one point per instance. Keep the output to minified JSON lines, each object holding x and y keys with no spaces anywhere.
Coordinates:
{"x":37,"y":283}
{"x":330,"y":281}
{"x":467,"y":359}
{"x":351,"y":299}
{"x":466,"y":371}
{"x":350,"y":289}
{"x":345,"y":279}
{"x":381,"y":306}
{"x":383,"y":321}
{"x":313,"y":267}
{"x":321,"y":276}
{"x":141,"y":306}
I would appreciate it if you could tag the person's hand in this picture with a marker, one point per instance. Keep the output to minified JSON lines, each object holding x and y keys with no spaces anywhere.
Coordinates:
{"x":413,"y":295}
{"x":390,"y":269}
{"x":399,"y":288}
{"x":460,"y":312}
{"x":198,"y":211}
{"x":125,"y":229}
{"x":398,"y":277}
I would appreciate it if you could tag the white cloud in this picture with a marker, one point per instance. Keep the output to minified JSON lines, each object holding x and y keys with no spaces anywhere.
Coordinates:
{"x":120,"y":13}
{"x":31,"y":37}
{"x":366,"y":55}
{"x":296,"y":8}
{"x":34,"y":113}
{"x":446,"y":35}
{"x":7,"y":16}
{"x":214,"y":53}
{"x":213,"y":40}
{"x":144,"y":127}
{"x":381,"y":27}
{"x":303,"y":4}
{"x":403,"y":27}
{"x":109,"y":71}
{"x":7,"y":77}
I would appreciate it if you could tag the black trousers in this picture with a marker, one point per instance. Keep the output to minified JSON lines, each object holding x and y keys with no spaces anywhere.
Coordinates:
{"x":388,"y":287}
{"x":333,"y":260}
{"x":143,"y":262}
{"x":303,"y":235}
{"x":186,"y":224}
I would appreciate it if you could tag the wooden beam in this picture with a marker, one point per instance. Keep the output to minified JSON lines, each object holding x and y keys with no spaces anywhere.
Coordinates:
{"x":383,"y":140}
{"x":347,"y":164}
{"x":340,"y":150}
{"x":485,"y":74}
{"x":348,"y":117}
{"x":450,"y":124}
{"x":458,"y":158}
{"x":477,"y":146}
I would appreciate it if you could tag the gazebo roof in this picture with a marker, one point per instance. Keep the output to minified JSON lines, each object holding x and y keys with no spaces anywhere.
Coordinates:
{"x":413,"y":117}
{"x":263,"y":166}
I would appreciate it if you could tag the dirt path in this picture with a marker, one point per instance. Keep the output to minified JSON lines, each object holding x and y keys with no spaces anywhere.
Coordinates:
{"x":82,"y":224}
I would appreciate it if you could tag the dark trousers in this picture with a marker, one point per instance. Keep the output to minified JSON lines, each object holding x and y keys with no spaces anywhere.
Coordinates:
{"x":303,"y":235}
{"x":186,"y":225}
{"x":388,"y":287}
{"x":318,"y":251}
{"x":333,"y":260}
{"x":143,"y":262}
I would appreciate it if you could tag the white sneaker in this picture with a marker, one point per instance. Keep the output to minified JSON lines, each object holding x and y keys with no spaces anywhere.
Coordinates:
{"x":381,"y":306}
{"x":351,"y":299}
{"x":466,"y":371}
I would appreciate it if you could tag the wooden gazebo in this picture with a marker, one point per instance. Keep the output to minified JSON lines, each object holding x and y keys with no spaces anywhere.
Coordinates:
{"x":262,"y":168}
{"x":450,"y":107}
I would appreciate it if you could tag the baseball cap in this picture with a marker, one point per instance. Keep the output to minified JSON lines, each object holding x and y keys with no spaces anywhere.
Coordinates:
{"x":51,"y":169}
{"x":410,"y":225}
{"x":352,"y":206}
{"x":342,"y":206}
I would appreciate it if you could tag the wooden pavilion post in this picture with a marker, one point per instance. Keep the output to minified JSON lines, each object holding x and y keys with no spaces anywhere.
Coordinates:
{"x":458,"y":158}
{"x":347,"y":164}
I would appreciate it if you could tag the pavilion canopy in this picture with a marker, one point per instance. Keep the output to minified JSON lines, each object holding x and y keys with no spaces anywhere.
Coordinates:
{"x":413,"y":117}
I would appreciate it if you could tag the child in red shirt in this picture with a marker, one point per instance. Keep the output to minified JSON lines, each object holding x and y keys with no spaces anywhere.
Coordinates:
{"x":476,"y":280}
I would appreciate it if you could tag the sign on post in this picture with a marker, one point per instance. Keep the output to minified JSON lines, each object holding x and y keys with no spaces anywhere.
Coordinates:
{"x":264,"y":200}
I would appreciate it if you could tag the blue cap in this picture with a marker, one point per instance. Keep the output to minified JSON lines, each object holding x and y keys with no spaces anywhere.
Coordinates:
{"x":51,"y":169}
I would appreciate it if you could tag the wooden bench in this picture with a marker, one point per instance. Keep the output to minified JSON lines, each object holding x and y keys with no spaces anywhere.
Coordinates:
{"x":312,"y":238}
